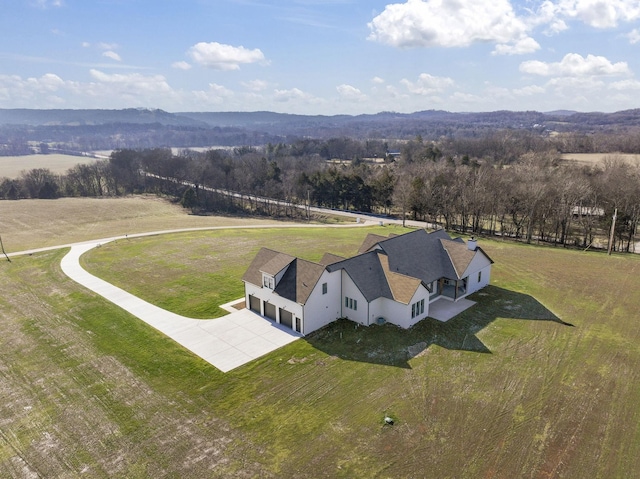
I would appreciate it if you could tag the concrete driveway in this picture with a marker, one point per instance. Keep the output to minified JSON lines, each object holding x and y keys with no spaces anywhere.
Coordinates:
{"x":226,"y":342}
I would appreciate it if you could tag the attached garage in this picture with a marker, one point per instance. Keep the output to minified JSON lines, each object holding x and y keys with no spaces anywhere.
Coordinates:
{"x":286,"y":318}
{"x":270,"y":310}
{"x":254,"y":304}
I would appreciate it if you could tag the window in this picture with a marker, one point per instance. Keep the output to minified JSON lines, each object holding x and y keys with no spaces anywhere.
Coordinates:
{"x":479,"y":276}
{"x":324,"y":288}
{"x":351,"y":303}
{"x":417,"y":309}
{"x":267,"y":281}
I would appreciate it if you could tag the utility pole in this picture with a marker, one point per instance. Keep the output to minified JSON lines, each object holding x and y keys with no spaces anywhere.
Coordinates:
{"x":613,"y":230}
{"x":308,"y":206}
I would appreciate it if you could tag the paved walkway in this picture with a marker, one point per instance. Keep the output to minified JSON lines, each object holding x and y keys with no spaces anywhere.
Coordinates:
{"x":226,"y":342}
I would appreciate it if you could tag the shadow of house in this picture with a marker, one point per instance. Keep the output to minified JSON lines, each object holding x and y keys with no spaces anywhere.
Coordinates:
{"x":393,"y":346}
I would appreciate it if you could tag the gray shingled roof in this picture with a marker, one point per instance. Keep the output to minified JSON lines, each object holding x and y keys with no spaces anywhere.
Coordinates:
{"x":419,"y":254}
{"x":329,"y":258}
{"x":299,"y":280}
{"x":253,"y":274}
{"x":366,"y":272}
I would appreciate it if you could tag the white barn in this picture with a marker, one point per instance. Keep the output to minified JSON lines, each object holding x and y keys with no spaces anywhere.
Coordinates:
{"x":392,"y":279}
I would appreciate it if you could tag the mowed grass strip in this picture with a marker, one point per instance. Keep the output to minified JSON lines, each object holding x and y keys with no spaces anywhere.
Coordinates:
{"x":539,"y":379}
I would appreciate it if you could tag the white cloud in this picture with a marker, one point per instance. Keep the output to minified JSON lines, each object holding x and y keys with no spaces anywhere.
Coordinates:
{"x":634,"y":36}
{"x":598,"y":13}
{"x":520,"y":47}
{"x":575,"y":65}
{"x":377,"y":80}
{"x":255,"y":85}
{"x":428,"y":84}
{"x":132,"y":83}
{"x":47,"y":3}
{"x":529,"y":90}
{"x":223,"y":57}
{"x":216,"y":94}
{"x":181,"y":65}
{"x":624,"y":85}
{"x":107,"y":46}
{"x":452,"y":23}
{"x":350,"y":93}
{"x":113,"y":55}
{"x":288,"y":95}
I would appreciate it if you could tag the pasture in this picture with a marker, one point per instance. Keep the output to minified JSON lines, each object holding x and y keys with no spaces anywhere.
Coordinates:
{"x":12,"y":166}
{"x":539,"y":379}
{"x":594,"y":159}
{"x":28,"y":224}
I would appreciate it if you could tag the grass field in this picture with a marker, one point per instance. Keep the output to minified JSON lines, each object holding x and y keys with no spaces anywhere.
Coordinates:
{"x":28,"y":224}
{"x":597,"y":158}
{"x":540,"y":379}
{"x":12,"y":166}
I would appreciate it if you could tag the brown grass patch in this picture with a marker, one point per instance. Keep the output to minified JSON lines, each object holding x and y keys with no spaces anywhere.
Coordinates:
{"x":12,"y":166}
{"x":28,"y":224}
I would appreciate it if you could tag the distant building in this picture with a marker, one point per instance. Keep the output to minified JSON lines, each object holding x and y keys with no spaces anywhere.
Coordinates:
{"x":392,"y":279}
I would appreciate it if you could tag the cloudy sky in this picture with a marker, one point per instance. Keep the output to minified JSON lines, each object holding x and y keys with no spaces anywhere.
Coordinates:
{"x":321,"y":56}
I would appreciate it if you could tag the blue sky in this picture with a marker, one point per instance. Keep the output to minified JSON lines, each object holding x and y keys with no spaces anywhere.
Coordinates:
{"x":321,"y":56}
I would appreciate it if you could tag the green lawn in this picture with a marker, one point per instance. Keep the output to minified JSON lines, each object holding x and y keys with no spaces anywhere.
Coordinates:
{"x":539,"y":379}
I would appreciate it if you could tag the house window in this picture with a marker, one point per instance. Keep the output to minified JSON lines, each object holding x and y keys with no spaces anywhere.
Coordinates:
{"x":417,"y":308}
{"x":267,"y":281}
{"x":479,"y":276}
{"x":351,"y":303}
{"x":324,"y":288}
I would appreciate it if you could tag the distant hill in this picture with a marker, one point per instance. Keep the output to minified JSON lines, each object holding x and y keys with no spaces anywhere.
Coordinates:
{"x":93,"y":117}
{"x":90,"y":130}
{"x":283,"y":123}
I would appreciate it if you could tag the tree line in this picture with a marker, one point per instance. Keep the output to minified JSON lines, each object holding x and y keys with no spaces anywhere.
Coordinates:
{"x":506,"y":184}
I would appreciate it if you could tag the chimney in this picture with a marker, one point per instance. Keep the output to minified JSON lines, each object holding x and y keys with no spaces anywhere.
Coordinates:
{"x":472,"y":244}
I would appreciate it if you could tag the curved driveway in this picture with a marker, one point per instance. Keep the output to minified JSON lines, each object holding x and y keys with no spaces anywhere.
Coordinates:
{"x":226,"y":342}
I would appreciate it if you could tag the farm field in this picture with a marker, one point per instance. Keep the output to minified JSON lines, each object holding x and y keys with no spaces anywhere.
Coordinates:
{"x":597,"y":158}
{"x":12,"y":166}
{"x":28,"y":224}
{"x":539,"y":379}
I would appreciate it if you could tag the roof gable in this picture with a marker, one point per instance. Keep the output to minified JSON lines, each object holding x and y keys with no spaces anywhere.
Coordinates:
{"x":366,"y":272}
{"x":402,"y":287}
{"x":370,"y":241}
{"x":298,"y":281}
{"x":276,"y":264}
{"x":253,"y":274}
{"x":459,"y":254}
{"x":329,"y":258}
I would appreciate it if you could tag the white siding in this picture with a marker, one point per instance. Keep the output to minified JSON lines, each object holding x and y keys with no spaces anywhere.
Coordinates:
{"x":399,"y":313}
{"x":479,"y":264}
{"x":266,"y":294}
{"x":350,"y":290}
{"x":322,"y":309}
{"x":473,"y":284}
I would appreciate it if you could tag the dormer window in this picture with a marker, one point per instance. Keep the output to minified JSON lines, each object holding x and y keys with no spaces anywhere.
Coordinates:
{"x":268,"y":281}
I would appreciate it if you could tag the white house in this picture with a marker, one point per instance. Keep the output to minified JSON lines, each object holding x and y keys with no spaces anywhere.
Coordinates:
{"x":392,"y":279}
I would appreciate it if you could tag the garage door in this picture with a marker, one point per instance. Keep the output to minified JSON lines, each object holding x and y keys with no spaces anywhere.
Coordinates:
{"x":286,"y":318}
{"x":254,"y":304}
{"x":270,"y":311}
